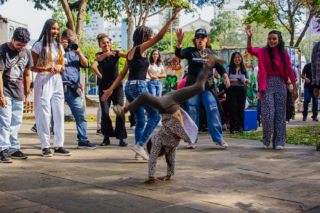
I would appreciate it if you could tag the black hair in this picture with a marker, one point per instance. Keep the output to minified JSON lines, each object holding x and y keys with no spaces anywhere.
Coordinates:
{"x":46,"y":38}
{"x":101,"y":36}
{"x":67,"y":33}
{"x":21,"y":34}
{"x":159,"y":60}
{"x":141,"y":34}
{"x":280,"y":48}
{"x":232,"y":66}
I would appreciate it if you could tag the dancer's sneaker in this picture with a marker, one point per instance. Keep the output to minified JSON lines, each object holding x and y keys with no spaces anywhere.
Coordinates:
{"x":279,"y":147}
{"x":61,"y":151}
{"x":4,"y":157}
{"x":140,"y":150}
{"x":46,"y":152}
{"x":265,"y":146}
{"x":118,"y":110}
{"x":222,"y":145}
{"x":191,"y":146}
{"x":18,"y":155}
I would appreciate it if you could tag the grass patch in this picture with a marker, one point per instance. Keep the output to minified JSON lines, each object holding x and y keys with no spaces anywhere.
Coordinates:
{"x":307,"y":135}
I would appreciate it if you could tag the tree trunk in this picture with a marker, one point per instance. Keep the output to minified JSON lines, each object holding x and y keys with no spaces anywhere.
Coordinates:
{"x":129,"y":31}
{"x":68,"y":13}
{"x":80,"y":19}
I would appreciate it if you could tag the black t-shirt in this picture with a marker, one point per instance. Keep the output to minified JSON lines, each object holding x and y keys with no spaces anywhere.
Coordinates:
{"x":138,"y":66}
{"x":13,"y":64}
{"x":196,"y":59}
{"x":308,"y":74}
{"x":109,"y":69}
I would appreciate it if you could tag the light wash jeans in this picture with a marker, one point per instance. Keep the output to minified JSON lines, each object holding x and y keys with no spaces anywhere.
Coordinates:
{"x":78,"y":112}
{"x":155,"y":87}
{"x":212,"y":113}
{"x":10,"y":121}
{"x":132,"y":90}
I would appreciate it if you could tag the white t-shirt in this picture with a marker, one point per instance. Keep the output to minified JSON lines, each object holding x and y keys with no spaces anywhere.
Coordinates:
{"x":155,"y":69}
{"x":37,"y":47}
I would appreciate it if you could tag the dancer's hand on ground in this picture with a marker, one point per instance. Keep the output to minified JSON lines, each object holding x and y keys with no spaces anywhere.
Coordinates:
{"x":164,"y":178}
{"x":151,"y":180}
{"x":249,"y":31}
{"x":3,"y":102}
{"x":106,"y":94}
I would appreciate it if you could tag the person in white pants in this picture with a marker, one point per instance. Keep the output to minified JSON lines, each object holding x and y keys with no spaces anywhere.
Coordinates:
{"x":47,"y":55}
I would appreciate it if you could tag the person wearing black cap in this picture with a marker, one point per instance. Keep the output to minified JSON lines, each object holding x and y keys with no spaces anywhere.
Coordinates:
{"x":197,"y":56}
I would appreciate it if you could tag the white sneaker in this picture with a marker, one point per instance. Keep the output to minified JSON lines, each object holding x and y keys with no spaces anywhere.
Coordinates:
{"x":133,"y":127}
{"x":279,"y":147}
{"x":140,"y":150}
{"x":222,"y":145}
{"x":191,"y":146}
{"x":138,"y":157}
{"x":265,"y":146}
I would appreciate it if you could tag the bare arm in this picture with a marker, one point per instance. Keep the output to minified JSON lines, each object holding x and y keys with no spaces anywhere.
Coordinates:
{"x":101,"y":57}
{"x":3,"y":101}
{"x":83,"y":59}
{"x":249,"y":36}
{"x":151,"y":74}
{"x":95,"y":69}
{"x":163,"y":74}
{"x":26,"y":83}
{"x":122,"y":55}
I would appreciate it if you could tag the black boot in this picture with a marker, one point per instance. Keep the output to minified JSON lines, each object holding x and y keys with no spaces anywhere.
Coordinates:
{"x":105,"y":142}
{"x":123,"y":142}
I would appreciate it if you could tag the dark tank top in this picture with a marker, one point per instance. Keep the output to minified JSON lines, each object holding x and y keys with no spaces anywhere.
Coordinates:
{"x":138,"y":66}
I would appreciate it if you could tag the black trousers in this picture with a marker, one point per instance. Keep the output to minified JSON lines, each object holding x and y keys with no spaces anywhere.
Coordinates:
{"x":236,"y":101}
{"x":106,"y":124}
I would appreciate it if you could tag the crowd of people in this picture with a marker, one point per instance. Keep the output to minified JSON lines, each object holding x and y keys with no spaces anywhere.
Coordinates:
{"x":58,"y":60}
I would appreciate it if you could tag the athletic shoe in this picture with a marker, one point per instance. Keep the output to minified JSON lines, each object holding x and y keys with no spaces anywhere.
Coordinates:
{"x":304,"y":118}
{"x":140,"y":150}
{"x":105,"y":142}
{"x":265,"y":146}
{"x":34,"y":128}
{"x":4,"y":157}
{"x":133,"y":127}
{"x":138,"y":157}
{"x":315,"y":119}
{"x":191,"y":146}
{"x":279,"y":147}
{"x":99,"y":132}
{"x":61,"y":151}
{"x":222,"y":145}
{"x":318,"y":147}
{"x":123,"y":142}
{"x":18,"y":155}
{"x":118,"y":110}
{"x":46,"y":152}
{"x":86,"y":145}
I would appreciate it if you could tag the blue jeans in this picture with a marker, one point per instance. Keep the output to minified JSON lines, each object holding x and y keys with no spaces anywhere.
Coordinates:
{"x":212,"y":113}
{"x":79,"y":113}
{"x":308,"y":94}
{"x":155,"y":87}
{"x":10,"y":121}
{"x":132,"y":90}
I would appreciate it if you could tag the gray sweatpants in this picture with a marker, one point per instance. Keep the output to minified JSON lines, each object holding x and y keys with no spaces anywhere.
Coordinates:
{"x":273,"y":111}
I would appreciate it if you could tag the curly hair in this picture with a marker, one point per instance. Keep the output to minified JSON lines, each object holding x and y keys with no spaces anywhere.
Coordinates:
{"x":21,"y":34}
{"x":280,"y":48}
{"x":101,"y":36}
{"x":141,"y":34}
{"x":159,"y":60}
{"x":232,"y":66}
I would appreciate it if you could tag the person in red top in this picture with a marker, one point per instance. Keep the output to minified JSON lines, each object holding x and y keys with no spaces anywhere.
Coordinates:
{"x":274,"y":70}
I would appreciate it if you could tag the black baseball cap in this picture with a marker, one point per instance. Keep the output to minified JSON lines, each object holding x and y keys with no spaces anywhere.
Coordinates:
{"x":200,"y":31}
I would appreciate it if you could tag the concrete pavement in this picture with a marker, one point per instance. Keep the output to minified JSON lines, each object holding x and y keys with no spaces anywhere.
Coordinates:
{"x":243,"y":178}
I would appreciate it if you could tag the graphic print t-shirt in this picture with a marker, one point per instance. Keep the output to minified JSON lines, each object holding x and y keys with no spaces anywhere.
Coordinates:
{"x":13,"y":64}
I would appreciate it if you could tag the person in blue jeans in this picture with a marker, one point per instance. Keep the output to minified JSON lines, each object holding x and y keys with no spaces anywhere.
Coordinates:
{"x":74,"y":60}
{"x":308,"y":94}
{"x":197,"y":56}
{"x":155,"y":73}
{"x":138,"y":63}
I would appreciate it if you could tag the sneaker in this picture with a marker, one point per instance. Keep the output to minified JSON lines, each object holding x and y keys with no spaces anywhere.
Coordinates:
{"x":46,"y":152}
{"x":140,"y":150}
{"x":118,"y":110}
{"x":4,"y":157}
{"x":315,"y":119}
{"x":34,"y":128}
{"x":279,"y":147}
{"x":105,"y":142}
{"x":99,"y":132}
{"x":133,"y":127}
{"x":265,"y":146}
{"x":86,"y":145}
{"x":191,"y":146}
{"x":61,"y":151}
{"x":138,"y":157}
{"x":304,"y":118}
{"x":123,"y":142}
{"x":18,"y":155}
{"x":222,"y":145}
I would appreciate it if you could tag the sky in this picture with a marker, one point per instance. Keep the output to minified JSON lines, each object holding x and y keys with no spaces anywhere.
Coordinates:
{"x":24,"y":12}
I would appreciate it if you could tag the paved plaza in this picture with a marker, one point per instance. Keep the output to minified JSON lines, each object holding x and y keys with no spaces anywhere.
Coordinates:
{"x":243,"y":178}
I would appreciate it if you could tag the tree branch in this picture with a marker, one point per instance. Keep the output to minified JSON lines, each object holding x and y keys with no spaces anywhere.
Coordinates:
{"x":80,"y":18}
{"x":68,"y":13}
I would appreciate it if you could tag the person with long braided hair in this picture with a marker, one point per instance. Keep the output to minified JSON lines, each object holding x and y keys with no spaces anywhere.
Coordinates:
{"x":274,"y":71}
{"x":47,"y":54}
{"x":137,"y":62}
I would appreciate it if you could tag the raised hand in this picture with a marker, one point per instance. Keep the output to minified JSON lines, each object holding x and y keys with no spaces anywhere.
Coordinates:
{"x":180,"y":35}
{"x":249,"y":31}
